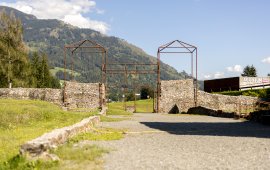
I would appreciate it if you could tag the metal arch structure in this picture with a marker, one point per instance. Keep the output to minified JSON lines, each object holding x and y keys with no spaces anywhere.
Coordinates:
{"x":85,"y":46}
{"x":179,"y":47}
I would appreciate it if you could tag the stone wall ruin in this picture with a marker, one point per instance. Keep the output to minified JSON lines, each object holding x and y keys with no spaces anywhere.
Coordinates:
{"x":180,"y":94}
{"x":51,"y":95}
{"x":73,"y":95}
{"x":176,"y":93}
{"x":84,"y":95}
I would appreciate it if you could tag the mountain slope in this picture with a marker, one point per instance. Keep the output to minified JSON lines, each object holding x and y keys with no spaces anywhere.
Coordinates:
{"x":51,"y":35}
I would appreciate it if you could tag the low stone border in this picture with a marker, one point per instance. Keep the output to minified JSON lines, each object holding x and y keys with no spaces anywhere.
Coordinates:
{"x":39,"y":148}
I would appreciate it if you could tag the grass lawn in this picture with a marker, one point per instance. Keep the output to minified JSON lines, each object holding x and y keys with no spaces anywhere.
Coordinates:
{"x":23,"y":120}
{"x":142,"y":106}
{"x":117,"y":108}
{"x":78,"y":157}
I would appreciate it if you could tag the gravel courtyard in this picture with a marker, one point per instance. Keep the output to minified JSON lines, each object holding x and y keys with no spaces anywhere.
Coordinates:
{"x":162,"y":141}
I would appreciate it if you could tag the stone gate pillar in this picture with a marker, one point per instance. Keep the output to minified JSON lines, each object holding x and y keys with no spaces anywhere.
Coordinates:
{"x":84,"y":95}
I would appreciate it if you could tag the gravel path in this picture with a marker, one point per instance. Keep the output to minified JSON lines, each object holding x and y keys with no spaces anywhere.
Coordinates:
{"x":160,"y":141}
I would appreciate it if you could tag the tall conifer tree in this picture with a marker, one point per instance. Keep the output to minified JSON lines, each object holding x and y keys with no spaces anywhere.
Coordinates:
{"x":14,"y":64}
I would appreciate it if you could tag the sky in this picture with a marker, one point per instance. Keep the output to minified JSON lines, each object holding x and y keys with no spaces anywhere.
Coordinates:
{"x":229,"y":34}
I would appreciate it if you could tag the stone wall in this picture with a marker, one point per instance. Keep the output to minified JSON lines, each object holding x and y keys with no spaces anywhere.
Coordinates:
{"x":180,"y":93}
{"x":74,"y":95}
{"x":176,"y":92}
{"x":224,"y":102}
{"x":46,"y":94}
{"x":84,"y":95}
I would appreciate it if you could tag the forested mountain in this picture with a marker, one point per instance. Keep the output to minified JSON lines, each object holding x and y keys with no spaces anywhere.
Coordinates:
{"x":51,"y":35}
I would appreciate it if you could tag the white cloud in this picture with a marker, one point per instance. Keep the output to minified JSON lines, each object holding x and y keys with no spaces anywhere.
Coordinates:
{"x":99,"y":11}
{"x":213,"y":75}
{"x":219,"y":75}
{"x":70,"y":11}
{"x":236,"y":69}
{"x":266,"y":60}
{"x":83,"y":22}
{"x":207,"y":76}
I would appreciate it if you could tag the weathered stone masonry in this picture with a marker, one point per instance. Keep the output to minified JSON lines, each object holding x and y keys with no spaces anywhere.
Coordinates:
{"x":84,"y":95}
{"x":46,"y":94}
{"x":176,"y":92}
{"x":181,"y":94}
{"x":74,"y":95}
{"x":224,"y":102}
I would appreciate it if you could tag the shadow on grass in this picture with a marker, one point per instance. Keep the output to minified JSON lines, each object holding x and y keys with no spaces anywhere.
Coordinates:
{"x":230,"y":129}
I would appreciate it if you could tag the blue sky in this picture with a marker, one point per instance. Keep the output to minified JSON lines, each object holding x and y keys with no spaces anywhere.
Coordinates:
{"x":229,"y":34}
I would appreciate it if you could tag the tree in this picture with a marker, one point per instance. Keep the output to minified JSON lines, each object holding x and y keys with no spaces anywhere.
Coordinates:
{"x":146,"y":92}
{"x":268,"y":74}
{"x":249,"y":71}
{"x":130,"y":96}
{"x":35,"y":69}
{"x":41,"y":72}
{"x":55,"y":83}
{"x":14,"y":63}
{"x":44,"y":73}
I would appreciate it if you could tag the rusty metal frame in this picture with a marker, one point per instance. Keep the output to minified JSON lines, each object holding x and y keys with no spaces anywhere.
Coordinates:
{"x":179,"y":47}
{"x":93,"y":47}
{"x":97,"y":48}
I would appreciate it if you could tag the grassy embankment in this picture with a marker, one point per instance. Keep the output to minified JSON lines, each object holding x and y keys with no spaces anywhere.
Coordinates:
{"x":23,"y":120}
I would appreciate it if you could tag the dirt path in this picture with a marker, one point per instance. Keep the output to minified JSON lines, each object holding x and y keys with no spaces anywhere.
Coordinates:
{"x":159,"y":141}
